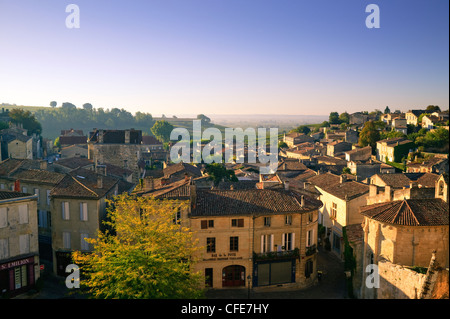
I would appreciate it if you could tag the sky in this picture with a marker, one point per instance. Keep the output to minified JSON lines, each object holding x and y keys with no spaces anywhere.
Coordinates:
{"x":174,"y":57}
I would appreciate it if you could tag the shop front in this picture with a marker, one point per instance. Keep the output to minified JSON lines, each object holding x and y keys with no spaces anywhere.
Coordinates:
{"x":17,"y":276}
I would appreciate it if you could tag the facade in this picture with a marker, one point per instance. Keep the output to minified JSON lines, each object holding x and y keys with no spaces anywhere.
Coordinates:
{"x":19,"y":251}
{"x":16,"y":146}
{"x":293,"y":139}
{"x":122,"y":148}
{"x":359,"y":154}
{"x":337,"y":148}
{"x":412,"y":116}
{"x":341,"y":200}
{"x":430,"y":121}
{"x":78,"y":207}
{"x":249,"y":237}
{"x":405,"y":232}
{"x":393,"y":150}
{"x":39,"y":182}
{"x":256,"y":237}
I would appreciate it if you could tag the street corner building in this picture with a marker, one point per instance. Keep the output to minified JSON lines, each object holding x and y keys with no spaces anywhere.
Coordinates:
{"x":249,"y":237}
{"x":19,"y":249}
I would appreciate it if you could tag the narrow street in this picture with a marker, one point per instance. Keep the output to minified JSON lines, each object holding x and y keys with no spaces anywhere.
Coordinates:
{"x":332,"y":286}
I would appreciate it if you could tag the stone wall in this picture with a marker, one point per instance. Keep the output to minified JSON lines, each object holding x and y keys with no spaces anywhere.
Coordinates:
{"x":398,"y":282}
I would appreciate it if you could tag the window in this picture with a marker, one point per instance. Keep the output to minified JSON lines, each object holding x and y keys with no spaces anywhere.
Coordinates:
{"x":66,"y":240}
{"x":20,"y":277}
{"x":288,"y":219}
{"x":3,"y":217}
{"x":2,"y":186}
{"x":65,"y":210}
{"x":333,"y":211}
{"x":4,"y":248}
{"x":211,"y":245}
{"x":234,"y":243}
{"x":24,"y":189}
{"x":237,"y":222}
{"x":83,"y":212}
{"x":24,"y":244}
{"x":309,"y":238}
{"x":23,"y":214}
{"x":48,"y":197}
{"x":267,"y":221}
{"x":310,"y":217}
{"x":287,"y":241}
{"x":84,"y":243}
{"x":266,"y":243}
{"x":207,"y":224}
{"x":177,"y":218}
{"x":208,"y":277}
{"x":309,"y":268}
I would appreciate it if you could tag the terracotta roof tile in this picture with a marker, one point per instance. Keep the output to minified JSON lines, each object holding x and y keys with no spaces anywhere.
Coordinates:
{"x":409,"y":212}
{"x":250,"y":202}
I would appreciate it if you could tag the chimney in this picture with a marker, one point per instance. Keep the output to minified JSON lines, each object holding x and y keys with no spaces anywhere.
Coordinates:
{"x":43,"y":165}
{"x":302,"y":201}
{"x":373,"y":190}
{"x":387,"y":193}
{"x":286,"y":185}
{"x":127,"y":136}
{"x":232,"y":187}
{"x":100,"y":181}
{"x":186,"y":177}
{"x":343,"y":178}
{"x":100,"y":136}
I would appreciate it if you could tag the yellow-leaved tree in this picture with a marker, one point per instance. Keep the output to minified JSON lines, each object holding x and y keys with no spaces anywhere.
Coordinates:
{"x":144,"y":253}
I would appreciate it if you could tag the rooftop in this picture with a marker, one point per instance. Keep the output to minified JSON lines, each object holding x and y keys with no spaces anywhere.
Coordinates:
{"x":409,"y":212}
{"x":83,"y":183}
{"x":250,"y":202}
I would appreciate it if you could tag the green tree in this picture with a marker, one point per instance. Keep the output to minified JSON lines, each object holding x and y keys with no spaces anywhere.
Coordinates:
{"x":325,"y":124}
{"x":344,"y":118}
{"x":334,"y":118}
{"x":218,"y":172}
{"x":161,"y":130}
{"x":27,"y":119}
{"x":143,"y":253}
{"x":369,"y":135}
{"x":387,"y":110}
{"x":302,"y":129}
{"x":87,"y":106}
{"x":53,"y":103}
{"x":433,"y":108}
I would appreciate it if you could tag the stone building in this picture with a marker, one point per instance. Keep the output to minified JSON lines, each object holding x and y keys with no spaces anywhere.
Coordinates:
{"x":394,"y":149}
{"x":250,"y":237}
{"x":295,"y":138}
{"x":122,"y":148}
{"x":78,"y":207}
{"x":19,"y":251}
{"x":405,"y":232}
{"x":31,"y":177}
{"x":16,"y":146}
{"x":341,"y":200}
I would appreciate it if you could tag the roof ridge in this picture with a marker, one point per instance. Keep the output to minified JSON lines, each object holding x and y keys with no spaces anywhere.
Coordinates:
{"x":412,"y":212}
{"x":83,"y":185}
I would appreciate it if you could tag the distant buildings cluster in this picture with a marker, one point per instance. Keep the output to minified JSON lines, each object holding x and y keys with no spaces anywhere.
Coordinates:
{"x":263,"y":230}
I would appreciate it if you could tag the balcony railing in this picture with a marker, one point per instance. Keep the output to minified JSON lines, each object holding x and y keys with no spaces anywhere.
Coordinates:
{"x":273,"y":255}
{"x":311,"y":250}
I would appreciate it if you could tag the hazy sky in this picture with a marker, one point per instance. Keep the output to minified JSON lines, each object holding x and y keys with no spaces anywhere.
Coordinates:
{"x":226,"y":56}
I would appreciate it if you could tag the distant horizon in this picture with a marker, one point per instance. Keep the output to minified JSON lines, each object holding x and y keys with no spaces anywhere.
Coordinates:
{"x":193,"y":115}
{"x":226,"y":57}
